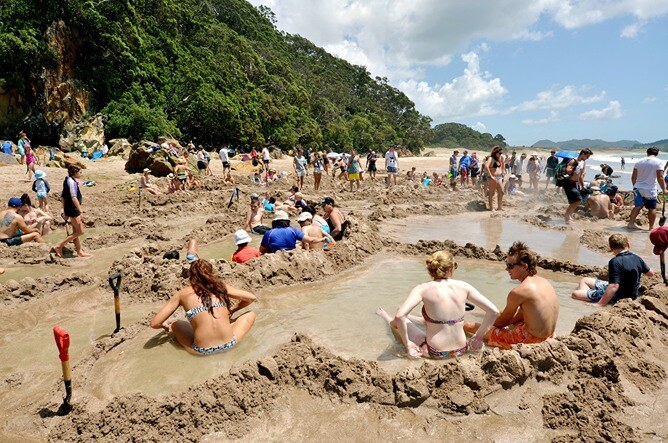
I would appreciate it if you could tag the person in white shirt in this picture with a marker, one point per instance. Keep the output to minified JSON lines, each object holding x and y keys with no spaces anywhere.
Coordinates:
{"x":646,"y":174}
{"x":266,"y":158}
{"x":392,"y":165}
{"x":225,"y":158}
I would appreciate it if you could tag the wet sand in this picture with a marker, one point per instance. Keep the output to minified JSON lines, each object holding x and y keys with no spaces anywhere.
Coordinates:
{"x":601,"y":377}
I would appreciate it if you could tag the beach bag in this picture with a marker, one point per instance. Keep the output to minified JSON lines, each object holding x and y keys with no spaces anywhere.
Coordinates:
{"x":561,"y":178}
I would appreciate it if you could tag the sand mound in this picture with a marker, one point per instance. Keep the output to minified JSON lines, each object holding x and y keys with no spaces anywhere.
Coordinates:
{"x":604,"y":349}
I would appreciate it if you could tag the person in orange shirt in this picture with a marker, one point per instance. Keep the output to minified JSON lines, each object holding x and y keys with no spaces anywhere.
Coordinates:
{"x":244,"y":251}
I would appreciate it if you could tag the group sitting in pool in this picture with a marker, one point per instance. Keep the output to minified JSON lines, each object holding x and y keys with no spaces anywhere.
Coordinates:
{"x":530,"y":315}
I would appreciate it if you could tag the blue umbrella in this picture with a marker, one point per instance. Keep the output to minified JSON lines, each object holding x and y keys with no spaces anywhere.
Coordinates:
{"x":567,"y":154}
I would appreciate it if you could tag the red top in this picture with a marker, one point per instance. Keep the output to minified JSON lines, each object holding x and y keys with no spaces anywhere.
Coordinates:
{"x":244,"y":254}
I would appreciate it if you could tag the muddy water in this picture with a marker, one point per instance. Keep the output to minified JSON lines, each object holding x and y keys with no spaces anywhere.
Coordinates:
{"x":225,"y":247}
{"x":339,"y":314}
{"x":485,"y":231}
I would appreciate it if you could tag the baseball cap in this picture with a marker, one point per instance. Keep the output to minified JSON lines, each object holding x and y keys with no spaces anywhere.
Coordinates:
{"x":14,"y":202}
{"x":281,"y":215}
{"x":241,"y":237}
{"x":254,"y":196}
{"x":305,"y":216}
{"x":146,"y":170}
{"x":326,"y":201}
{"x":659,"y":238}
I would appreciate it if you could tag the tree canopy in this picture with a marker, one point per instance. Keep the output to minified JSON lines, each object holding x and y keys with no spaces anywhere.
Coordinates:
{"x":210,"y":70}
{"x":458,"y":136}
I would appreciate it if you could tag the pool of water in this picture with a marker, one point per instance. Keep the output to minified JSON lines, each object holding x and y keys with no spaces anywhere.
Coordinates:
{"x":338,"y":313}
{"x":485,"y":231}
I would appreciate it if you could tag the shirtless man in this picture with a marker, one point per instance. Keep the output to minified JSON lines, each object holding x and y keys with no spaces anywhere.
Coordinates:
{"x":254,"y":217}
{"x":13,"y":229}
{"x":531,"y":311}
{"x":599,"y":205}
{"x":305,"y":221}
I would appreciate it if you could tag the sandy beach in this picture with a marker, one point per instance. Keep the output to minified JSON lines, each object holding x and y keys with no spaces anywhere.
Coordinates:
{"x":319,"y":364}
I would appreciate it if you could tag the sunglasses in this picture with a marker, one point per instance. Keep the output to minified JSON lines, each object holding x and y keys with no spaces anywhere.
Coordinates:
{"x":510,"y":266}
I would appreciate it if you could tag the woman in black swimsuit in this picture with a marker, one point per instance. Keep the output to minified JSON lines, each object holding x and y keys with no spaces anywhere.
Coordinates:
{"x":494,"y":169}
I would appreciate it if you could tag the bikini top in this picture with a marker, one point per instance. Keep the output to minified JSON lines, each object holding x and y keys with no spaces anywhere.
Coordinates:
{"x":440,"y":322}
{"x":191,"y":313}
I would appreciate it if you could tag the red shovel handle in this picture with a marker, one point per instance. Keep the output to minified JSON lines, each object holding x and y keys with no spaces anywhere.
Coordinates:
{"x":62,"y":341}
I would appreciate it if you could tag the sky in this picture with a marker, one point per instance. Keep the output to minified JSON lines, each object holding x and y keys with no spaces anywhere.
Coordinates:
{"x":525,"y":69}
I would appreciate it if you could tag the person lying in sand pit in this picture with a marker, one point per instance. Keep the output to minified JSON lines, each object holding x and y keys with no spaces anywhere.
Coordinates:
{"x":624,"y":271}
{"x":13,"y":228}
{"x":146,"y":183}
{"x":305,"y":221}
{"x":598,"y":204}
{"x":442,"y":298}
{"x":210,"y":327}
{"x":283,"y":237}
{"x":531,"y":311}
{"x":35,"y":218}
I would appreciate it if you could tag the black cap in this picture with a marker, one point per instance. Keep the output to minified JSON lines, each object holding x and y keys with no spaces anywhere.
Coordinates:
{"x":327,"y":201}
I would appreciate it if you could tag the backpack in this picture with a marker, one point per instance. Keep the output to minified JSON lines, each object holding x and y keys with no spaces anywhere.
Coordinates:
{"x":561,"y":177}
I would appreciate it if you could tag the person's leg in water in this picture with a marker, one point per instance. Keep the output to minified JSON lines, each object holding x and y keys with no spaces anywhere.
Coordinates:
{"x":415,"y":334}
{"x":77,"y":231}
{"x":584,"y":286}
{"x":193,"y":251}
{"x":499,"y":196}
{"x":492,"y":191}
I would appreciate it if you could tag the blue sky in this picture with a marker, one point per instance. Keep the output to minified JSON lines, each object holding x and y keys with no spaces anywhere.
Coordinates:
{"x":527,"y":69}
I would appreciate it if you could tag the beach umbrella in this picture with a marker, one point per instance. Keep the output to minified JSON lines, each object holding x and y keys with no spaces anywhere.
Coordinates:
{"x":567,"y":154}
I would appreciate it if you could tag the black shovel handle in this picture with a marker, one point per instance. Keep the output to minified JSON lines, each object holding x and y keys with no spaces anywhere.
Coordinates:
{"x":469,"y":307}
{"x":115,"y":283}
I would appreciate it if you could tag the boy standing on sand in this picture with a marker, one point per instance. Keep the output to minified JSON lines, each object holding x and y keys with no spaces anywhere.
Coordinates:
{"x":531,"y":311}
{"x":392,"y":165}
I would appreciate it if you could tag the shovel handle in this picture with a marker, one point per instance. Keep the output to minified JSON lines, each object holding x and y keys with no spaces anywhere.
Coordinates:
{"x":115,"y":283}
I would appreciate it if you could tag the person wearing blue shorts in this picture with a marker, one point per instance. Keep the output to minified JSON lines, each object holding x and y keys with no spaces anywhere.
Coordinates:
{"x":647,"y":173}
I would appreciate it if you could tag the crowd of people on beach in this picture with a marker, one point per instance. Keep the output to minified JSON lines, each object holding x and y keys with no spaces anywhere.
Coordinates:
{"x":531,"y":310}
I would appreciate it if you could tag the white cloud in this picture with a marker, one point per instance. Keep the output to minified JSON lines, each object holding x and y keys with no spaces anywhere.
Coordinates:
{"x":632,"y":30}
{"x":577,"y":13}
{"x":612,"y":111}
{"x":480,"y":127}
{"x":473,"y":93}
{"x":648,"y":100}
{"x":553,"y":117}
{"x":560,"y":99}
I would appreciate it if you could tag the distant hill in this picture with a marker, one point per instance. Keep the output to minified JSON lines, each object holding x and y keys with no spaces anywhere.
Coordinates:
{"x":587,"y":143}
{"x":459,"y":136}
{"x":661,"y":144}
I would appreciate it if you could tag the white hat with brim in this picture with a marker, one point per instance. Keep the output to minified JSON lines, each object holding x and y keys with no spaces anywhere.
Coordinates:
{"x":40,"y":174}
{"x":281,"y":215}
{"x":241,"y":237}
{"x":305,"y":216}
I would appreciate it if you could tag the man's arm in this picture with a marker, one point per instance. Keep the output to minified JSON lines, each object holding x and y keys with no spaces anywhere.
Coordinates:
{"x":21,"y":223}
{"x":634,"y":177}
{"x":660,"y":180}
{"x":610,"y":292}
{"x":513,"y":303}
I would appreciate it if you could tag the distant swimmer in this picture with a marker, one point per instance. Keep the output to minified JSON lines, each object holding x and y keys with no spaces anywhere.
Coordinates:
{"x":532,"y":308}
{"x":443,"y":306}
{"x":209,"y":328}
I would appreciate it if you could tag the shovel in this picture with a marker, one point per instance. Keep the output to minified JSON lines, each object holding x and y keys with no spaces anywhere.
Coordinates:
{"x":63,"y":342}
{"x":662,"y":220}
{"x":115,"y":283}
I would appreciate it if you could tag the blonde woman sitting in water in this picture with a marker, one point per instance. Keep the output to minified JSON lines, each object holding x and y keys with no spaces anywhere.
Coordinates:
{"x":444,"y":303}
{"x":206,"y":301}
